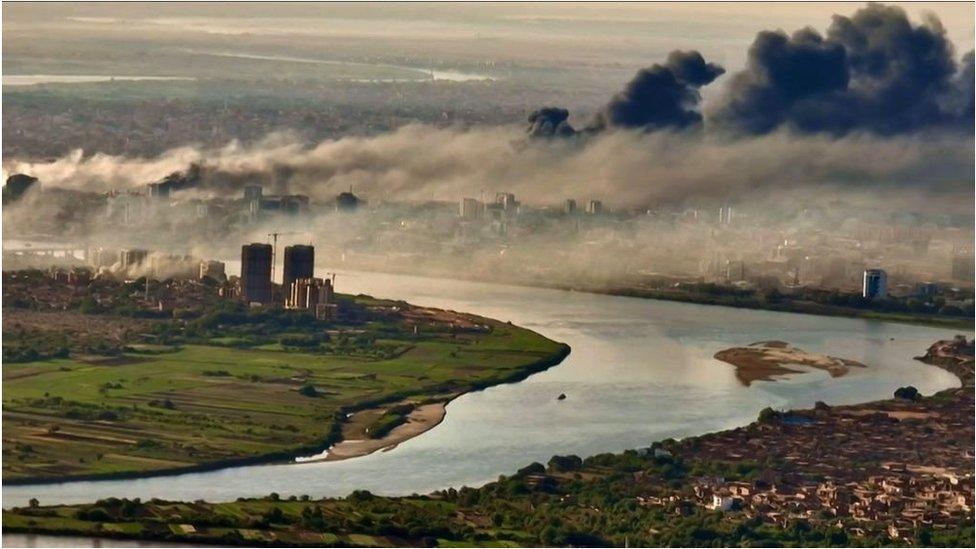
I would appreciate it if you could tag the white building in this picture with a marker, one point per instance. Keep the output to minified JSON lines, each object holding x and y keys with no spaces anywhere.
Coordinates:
{"x":875,"y":284}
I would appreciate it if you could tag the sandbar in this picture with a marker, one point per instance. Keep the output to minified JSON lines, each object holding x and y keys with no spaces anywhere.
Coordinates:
{"x":768,"y":360}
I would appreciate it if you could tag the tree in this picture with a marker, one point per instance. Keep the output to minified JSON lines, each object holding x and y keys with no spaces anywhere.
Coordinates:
{"x":565,"y":463}
{"x":907,"y":393}
{"x":308,"y":390}
{"x":767,"y":415}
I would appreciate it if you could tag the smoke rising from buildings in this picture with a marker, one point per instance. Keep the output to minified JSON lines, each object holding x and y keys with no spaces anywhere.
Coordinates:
{"x":628,"y":170}
{"x":550,"y":122}
{"x":857,"y":117}
{"x":875,"y":71}
{"x":660,"y":97}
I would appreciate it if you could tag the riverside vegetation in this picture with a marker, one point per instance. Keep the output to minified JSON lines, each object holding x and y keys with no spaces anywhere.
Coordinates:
{"x":656,"y":496}
{"x":99,"y":386}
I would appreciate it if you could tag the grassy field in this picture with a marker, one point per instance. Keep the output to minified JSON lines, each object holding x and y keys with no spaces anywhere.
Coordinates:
{"x":197,"y":405}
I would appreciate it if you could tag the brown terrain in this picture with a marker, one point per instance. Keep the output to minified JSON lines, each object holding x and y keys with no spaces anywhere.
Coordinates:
{"x":766,"y":360}
{"x":886,"y":468}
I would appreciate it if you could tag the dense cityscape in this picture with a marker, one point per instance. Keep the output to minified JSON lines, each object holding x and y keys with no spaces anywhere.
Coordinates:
{"x":907,"y":262}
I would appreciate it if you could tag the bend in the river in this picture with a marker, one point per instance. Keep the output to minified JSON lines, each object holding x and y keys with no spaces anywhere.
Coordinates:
{"x":641,"y":370}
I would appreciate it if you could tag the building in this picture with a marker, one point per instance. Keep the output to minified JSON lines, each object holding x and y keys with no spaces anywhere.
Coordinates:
{"x":101,"y":257}
{"x":299,"y":263}
{"x":347,"y":202}
{"x":290,"y":204}
{"x":309,"y":293}
{"x":735,"y":270}
{"x":875,"y":284}
{"x":595,"y":207}
{"x":926,"y":290}
{"x":164,"y":266}
{"x":256,"y":272}
{"x":507,"y":202}
{"x":125,"y":208}
{"x":470,"y":209}
{"x":962,"y":267}
{"x":132,"y":258}
{"x":725,"y":215}
{"x":294,"y":204}
{"x":213,"y":269}
{"x":160,"y":190}
{"x":570,"y":207}
{"x":252,"y":192}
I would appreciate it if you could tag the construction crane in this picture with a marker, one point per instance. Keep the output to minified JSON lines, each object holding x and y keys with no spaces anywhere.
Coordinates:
{"x":274,"y":246}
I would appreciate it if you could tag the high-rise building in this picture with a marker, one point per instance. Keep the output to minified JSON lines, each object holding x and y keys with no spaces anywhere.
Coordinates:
{"x":875,"y":284}
{"x":299,"y":263}
{"x":256,"y":272}
{"x":595,"y":207}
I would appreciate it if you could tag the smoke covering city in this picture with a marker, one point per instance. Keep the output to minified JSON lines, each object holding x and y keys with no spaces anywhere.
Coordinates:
{"x":871,"y":120}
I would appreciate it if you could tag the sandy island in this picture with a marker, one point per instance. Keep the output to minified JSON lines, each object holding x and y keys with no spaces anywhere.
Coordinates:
{"x":765,"y":360}
{"x":356,"y":443}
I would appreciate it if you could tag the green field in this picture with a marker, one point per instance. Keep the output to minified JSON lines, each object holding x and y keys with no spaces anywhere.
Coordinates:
{"x":207,"y":405}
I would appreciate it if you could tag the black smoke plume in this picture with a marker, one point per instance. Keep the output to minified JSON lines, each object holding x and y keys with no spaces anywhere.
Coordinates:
{"x":875,"y":71}
{"x":661,"y":96}
{"x":550,"y":122}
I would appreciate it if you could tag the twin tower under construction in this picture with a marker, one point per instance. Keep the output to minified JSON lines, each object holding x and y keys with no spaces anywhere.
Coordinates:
{"x":299,"y":288}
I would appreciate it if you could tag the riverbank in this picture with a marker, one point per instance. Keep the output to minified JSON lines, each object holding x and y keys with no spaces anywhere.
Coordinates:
{"x":753,"y":485}
{"x":203,"y":407}
{"x":785,"y":304}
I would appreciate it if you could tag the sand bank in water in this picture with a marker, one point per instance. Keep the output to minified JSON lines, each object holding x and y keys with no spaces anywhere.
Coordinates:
{"x":765,"y":360}
{"x":420,"y":420}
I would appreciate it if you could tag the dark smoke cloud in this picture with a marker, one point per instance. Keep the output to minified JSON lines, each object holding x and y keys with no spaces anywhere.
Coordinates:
{"x":661,"y":96}
{"x":550,"y":122}
{"x":874,"y":71}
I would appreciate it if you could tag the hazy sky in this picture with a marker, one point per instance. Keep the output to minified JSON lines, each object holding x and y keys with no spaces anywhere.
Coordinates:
{"x":738,"y":19}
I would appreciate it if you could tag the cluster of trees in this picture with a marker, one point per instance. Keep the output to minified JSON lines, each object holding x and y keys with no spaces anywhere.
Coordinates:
{"x":811,"y":300}
{"x":28,"y":345}
{"x":587,"y":502}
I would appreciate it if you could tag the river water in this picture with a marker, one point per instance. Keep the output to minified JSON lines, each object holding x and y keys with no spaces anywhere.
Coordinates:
{"x":640,"y":370}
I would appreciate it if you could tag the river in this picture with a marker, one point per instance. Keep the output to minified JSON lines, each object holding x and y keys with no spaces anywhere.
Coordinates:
{"x":640,"y":370}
